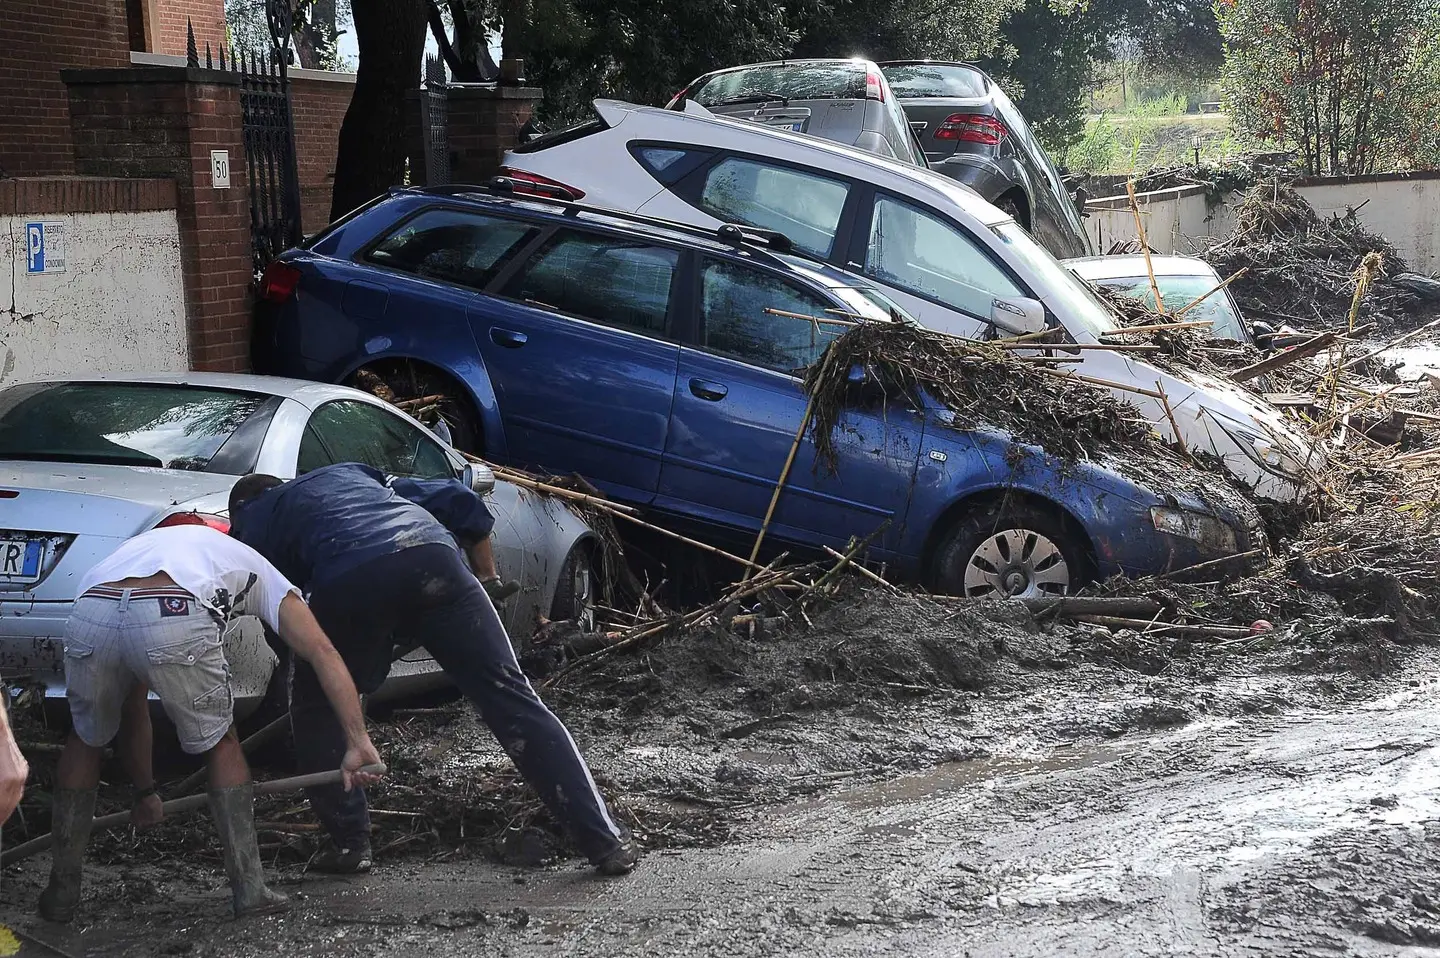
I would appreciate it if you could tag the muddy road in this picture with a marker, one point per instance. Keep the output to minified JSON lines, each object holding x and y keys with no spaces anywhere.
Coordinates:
{"x":1289,"y":816}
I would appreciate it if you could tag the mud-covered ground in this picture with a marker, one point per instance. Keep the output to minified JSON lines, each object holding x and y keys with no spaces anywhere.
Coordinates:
{"x":899,"y":776}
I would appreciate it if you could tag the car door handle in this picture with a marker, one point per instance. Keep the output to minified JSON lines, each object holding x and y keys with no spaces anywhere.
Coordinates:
{"x":714,"y":392}
{"x":508,"y":338}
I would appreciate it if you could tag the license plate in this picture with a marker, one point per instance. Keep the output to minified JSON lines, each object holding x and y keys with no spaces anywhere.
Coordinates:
{"x":20,"y":559}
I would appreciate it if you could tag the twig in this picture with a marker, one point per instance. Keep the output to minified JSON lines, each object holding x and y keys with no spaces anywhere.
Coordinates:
{"x":873,"y":577}
{"x":1233,"y":277}
{"x":784,"y":475}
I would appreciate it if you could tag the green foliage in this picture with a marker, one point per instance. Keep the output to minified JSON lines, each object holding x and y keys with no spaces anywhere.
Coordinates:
{"x":1352,"y":85}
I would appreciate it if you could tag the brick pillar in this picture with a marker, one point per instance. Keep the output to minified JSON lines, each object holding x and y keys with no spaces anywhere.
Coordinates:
{"x":484,"y":122}
{"x":164,"y":122}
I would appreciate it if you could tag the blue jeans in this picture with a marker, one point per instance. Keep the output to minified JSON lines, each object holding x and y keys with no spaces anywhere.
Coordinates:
{"x":427,"y":594}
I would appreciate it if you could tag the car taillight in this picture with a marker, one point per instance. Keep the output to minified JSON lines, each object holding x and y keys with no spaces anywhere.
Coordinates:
{"x":279,"y":282}
{"x":874,"y":89}
{"x":972,"y":128}
{"x":537,"y":185}
{"x":218,"y":523}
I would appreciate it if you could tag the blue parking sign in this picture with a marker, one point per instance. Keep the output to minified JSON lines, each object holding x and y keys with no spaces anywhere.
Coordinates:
{"x":45,"y":247}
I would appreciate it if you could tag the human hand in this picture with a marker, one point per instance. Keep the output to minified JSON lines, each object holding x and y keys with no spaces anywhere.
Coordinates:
{"x":147,"y":812}
{"x":14,"y":770}
{"x":356,"y":758}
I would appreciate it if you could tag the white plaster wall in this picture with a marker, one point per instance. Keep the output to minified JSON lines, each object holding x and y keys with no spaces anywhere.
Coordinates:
{"x":118,"y":307}
{"x":1405,"y":211}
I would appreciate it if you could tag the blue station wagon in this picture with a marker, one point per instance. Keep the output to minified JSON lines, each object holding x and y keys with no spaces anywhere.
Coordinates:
{"x":664,"y":363}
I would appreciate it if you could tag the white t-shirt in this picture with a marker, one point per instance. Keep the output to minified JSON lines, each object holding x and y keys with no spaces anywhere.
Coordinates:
{"x":224,"y":574}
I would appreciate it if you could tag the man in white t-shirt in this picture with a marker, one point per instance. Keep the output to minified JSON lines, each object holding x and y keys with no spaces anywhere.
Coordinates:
{"x":153,"y":615}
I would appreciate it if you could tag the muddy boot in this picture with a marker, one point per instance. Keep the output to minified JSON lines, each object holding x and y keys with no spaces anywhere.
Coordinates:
{"x":353,"y":858}
{"x":620,"y":860}
{"x":74,"y":809}
{"x":234,"y":812}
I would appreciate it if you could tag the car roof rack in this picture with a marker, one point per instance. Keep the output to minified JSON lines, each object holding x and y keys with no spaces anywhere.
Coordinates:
{"x":731,"y":234}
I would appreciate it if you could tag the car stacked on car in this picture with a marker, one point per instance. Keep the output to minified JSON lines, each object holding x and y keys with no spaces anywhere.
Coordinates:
{"x":653,"y":339}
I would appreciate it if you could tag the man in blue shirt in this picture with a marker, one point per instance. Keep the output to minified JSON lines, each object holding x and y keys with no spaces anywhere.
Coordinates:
{"x":378,"y":559}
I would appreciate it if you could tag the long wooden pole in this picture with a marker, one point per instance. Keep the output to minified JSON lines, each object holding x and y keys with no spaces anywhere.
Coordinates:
{"x":1145,"y":246}
{"x":780,"y":486}
{"x":187,"y":804}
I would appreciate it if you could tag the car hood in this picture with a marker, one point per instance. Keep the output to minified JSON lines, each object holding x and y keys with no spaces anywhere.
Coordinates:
{"x":103,"y":500}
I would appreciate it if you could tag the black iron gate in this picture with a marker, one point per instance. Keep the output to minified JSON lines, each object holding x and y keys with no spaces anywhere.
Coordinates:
{"x":434,"y":125}
{"x":268,"y":128}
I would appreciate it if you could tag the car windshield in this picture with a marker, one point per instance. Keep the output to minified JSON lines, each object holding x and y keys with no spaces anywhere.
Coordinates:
{"x":1083,"y":308}
{"x":934,"y":79}
{"x":789,"y":81}
{"x":1179,"y":292}
{"x":127,"y":424}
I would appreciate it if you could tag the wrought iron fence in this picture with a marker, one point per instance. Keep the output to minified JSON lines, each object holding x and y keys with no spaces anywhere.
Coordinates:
{"x":434,"y":123}
{"x":268,"y":128}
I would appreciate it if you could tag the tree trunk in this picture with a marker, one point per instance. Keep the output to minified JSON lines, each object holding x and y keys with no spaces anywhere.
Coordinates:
{"x":391,"y":37}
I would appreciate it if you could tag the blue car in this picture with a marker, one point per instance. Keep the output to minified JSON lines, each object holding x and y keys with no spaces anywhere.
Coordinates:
{"x":663,"y":363}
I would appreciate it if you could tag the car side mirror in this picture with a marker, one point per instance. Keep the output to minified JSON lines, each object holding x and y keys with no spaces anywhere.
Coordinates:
{"x":1017,"y":315}
{"x":479,"y":477}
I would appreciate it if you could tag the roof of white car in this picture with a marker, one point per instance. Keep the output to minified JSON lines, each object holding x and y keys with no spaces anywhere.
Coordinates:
{"x":309,"y":394}
{"x":814,"y":151}
{"x":1130,"y":266}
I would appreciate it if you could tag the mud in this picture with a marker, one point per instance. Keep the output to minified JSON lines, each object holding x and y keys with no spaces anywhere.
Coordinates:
{"x":892,"y":780}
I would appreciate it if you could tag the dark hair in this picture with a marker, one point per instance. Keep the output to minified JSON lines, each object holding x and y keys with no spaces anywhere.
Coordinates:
{"x":250,"y":487}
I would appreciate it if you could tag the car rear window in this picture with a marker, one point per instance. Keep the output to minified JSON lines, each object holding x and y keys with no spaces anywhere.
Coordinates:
{"x":928,"y":79}
{"x":127,"y":424}
{"x":788,"y":81}
{"x":567,"y":134}
{"x":453,"y":246}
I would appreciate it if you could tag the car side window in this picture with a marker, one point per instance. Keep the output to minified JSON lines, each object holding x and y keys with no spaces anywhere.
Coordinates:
{"x":918,"y":252}
{"x":757,"y":317}
{"x":803,"y":206}
{"x":453,"y":246}
{"x":349,"y":431}
{"x":607,"y":279}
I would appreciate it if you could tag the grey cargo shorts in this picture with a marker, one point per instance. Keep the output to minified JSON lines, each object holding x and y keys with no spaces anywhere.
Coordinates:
{"x":162,"y":637}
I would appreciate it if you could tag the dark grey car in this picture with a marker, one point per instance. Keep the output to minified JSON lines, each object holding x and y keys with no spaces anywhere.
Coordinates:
{"x":847,"y":101}
{"x":972,"y":132}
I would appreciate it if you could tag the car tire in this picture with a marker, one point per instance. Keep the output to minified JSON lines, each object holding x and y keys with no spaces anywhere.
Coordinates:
{"x":575,"y":592}
{"x":1011,"y":550}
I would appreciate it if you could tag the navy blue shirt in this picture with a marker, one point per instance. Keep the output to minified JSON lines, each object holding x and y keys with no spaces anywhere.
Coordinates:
{"x":336,"y":518}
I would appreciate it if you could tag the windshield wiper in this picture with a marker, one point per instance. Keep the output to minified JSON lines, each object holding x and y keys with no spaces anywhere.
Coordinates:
{"x":96,"y":459}
{"x":751,"y":98}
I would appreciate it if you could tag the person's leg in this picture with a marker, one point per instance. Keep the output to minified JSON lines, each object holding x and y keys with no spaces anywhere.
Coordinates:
{"x":357,"y":613}
{"x":462,"y":630}
{"x":96,"y":683}
{"x":232,"y":805}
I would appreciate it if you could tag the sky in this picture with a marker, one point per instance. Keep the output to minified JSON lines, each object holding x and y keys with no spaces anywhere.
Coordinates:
{"x":351,"y":52}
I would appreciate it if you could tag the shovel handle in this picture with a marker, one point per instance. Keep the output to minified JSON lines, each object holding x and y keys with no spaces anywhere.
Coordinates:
{"x":189,"y":803}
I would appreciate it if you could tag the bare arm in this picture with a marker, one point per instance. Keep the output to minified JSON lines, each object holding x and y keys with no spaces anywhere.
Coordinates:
{"x":303,"y":634}
{"x":13,"y":768}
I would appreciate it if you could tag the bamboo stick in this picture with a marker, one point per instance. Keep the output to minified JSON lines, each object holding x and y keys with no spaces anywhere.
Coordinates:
{"x":1223,"y":283}
{"x":1296,"y":353}
{"x":705,"y":547}
{"x":1146,"y":625}
{"x":520,"y":479}
{"x":1213,"y":562}
{"x":806,"y":316}
{"x":1174,"y":423}
{"x":1068,"y":347}
{"x":873,"y":577}
{"x":1093,"y":381}
{"x":1398,"y":340}
{"x":1145,"y":246}
{"x":780,"y":485}
{"x":1159,"y":327}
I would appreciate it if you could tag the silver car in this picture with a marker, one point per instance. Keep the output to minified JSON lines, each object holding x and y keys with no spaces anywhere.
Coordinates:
{"x":847,"y":101}
{"x":85,"y":463}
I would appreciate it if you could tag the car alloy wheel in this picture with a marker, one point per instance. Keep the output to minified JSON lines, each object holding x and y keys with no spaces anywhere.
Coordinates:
{"x":1017,"y":564}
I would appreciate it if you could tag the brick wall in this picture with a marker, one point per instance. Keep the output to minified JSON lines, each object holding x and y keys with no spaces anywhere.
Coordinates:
{"x":484,"y":122}
{"x":38,"y":38}
{"x":167,"y":29}
{"x":319,"y":102}
{"x":164,"y":122}
{"x":83,"y":194}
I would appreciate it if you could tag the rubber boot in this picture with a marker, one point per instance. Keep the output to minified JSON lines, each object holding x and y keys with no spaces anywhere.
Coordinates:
{"x":74,"y":810}
{"x":234,"y":812}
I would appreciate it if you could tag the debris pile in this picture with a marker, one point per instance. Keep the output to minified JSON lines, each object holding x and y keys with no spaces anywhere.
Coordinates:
{"x":1300,"y":268}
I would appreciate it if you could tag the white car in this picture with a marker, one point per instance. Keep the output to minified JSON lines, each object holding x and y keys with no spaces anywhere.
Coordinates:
{"x":87,"y":462}
{"x":953,"y":261}
{"x":1181,"y":280}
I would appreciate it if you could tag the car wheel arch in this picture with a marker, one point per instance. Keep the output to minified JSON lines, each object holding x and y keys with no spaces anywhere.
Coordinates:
{"x":977,"y":501}
{"x":478,"y":404}
{"x":1024,"y":210}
